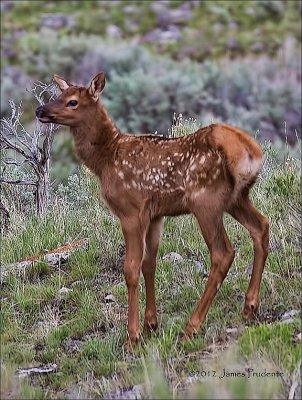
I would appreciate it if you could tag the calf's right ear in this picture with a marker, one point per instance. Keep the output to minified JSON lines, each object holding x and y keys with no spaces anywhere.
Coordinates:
{"x":61,"y":82}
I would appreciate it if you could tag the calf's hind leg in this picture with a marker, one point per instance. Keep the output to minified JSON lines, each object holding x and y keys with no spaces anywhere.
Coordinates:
{"x":222,"y":256}
{"x":258,"y":226}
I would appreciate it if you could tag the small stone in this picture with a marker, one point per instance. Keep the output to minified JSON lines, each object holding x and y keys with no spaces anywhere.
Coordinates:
{"x":42,"y":369}
{"x":287,"y":321}
{"x":64,"y":290}
{"x":110,"y":298}
{"x":173,"y":257}
{"x":199,"y":266}
{"x":231,"y":330}
{"x":249,"y":269}
{"x":57,"y":258}
{"x":74,"y":344}
{"x":288,"y":316}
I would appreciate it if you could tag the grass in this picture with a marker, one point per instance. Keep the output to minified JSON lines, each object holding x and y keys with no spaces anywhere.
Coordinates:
{"x":83,"y":334}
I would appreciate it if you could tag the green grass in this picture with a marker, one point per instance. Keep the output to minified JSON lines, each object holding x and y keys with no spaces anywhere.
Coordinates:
{"x":41,"y":325}
{"x":275,"y":341}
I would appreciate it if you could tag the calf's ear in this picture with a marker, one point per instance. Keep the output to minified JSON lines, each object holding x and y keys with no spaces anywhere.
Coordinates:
{"x":97,"y":85}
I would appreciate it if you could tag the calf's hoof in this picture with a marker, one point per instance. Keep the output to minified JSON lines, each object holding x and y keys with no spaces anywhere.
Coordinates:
{"x":189,"y":333}
{"x":250,"y":309}
{"x":131,"y":343}
{"x":150,"y":327}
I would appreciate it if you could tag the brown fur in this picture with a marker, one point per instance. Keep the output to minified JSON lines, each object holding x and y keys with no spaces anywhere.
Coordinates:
{"x":146,"y":177}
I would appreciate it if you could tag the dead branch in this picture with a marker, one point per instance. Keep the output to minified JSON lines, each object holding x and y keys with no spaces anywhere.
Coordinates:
{"x":18,"y":182}
{"x":6,"y":216}
{"x":33,"y":148}
{"x":53,"y":257}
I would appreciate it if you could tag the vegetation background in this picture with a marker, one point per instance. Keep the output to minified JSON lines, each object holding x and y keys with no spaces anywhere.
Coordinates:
{"x":232,"y":61}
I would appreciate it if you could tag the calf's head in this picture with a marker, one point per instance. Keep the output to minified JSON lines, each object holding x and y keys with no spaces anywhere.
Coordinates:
{"x":74,"y":103}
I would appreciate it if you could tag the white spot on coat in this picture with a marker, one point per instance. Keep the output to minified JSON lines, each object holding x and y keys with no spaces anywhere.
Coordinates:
{"x":121,"y":174}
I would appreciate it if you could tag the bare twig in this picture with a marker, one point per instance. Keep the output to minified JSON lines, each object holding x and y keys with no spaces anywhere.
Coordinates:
{"x":31,"y":148}
{"x":10,"y":161}
{"x":13,"y":146}
{"x":18,"y":182}
{"x":5,"y":214}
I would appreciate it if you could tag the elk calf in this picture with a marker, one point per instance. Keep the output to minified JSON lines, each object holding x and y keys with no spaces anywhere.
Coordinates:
{"x":145,"y":177}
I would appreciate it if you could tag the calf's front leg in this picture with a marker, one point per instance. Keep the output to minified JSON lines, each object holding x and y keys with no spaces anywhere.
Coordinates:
{"x":148,"y":267}
{"x":134,"y":234}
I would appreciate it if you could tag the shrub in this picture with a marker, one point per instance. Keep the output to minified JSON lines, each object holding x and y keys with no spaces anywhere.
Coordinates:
{"x":144,"y":90}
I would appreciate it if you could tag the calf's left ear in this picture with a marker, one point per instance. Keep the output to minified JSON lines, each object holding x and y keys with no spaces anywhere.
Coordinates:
{"x":97,"y":85}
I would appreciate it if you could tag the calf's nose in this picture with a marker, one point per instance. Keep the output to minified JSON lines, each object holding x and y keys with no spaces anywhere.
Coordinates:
{"x":40,"y":112}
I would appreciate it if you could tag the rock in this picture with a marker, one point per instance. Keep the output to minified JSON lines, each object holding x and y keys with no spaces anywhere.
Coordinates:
{"x":249,"y":269}
{"x":173,"y":257}
{"x":74,"y":345}
{"x":200,"y":267}
{"x":64,"y":290}
{"x":231,"y":330}
{"x":57,"y":258}
{"x":42,"y":369}
{"x":289,"y":315}
{"x":57,"y":21}
{"x":114,"y":32}
{"x":110,"y":298}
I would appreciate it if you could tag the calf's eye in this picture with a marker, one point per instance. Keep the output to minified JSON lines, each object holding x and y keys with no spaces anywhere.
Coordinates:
{"x":72,"y":103}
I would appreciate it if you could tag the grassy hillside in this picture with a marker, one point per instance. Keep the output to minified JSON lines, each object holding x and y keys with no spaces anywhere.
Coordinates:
{"x":82,"y":330}
{"x":203,"y":28}
{"x":231,"y":61}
